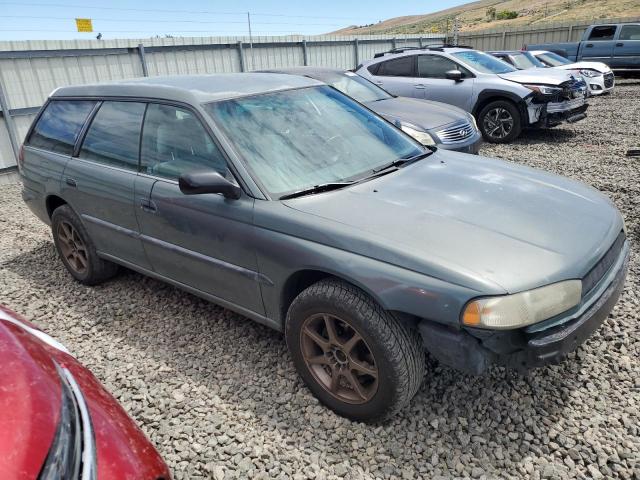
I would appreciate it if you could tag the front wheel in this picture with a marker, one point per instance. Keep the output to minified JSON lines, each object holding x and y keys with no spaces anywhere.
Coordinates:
{"x":500,"y":122}
{"x":358,"y":359}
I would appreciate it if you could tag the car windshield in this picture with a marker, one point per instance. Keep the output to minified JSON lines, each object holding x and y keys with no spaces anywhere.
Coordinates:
{"x":483,"y":62}
{"x":525,"y":60}
{"x":553,"y":59}
{"x":356,"y":87}
{"x":297,"y":139}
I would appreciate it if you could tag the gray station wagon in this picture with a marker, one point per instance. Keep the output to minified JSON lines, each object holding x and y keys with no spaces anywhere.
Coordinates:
{"x":287,"y":201}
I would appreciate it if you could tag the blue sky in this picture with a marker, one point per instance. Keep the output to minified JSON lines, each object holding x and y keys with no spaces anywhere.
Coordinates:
{"x":54,"y":19}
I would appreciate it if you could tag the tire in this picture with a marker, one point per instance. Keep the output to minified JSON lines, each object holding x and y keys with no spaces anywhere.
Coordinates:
{"x":507,"y":116}
{"x":79,"y":254}
{"x":386,"y":346}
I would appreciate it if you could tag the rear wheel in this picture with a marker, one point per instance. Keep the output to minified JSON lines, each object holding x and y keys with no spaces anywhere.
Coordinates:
{"x":76,"y":250}
{"x":500,"y":122}
{"x":358,"y":359}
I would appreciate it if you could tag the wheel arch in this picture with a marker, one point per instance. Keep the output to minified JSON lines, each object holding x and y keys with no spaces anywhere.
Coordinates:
{"x":302,"y":279}
{"x":52,"y":202}
{"x":488,"y":96}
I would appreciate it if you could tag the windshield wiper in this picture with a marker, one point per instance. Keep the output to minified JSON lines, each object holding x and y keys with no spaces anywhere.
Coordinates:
{"x":402,"y":161}
{"x":324,"y":187}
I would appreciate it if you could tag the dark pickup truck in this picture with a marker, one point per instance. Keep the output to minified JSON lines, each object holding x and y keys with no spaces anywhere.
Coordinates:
{"x":617,"y":45}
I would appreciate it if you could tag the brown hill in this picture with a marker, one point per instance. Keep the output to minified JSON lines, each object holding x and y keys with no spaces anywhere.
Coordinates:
{"x":485,"y":14}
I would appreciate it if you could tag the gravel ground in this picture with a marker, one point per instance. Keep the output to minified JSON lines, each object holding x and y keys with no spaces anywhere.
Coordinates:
{"x":218,"y":396}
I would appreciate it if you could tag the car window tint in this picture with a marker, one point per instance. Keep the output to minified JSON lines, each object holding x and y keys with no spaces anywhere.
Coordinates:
{"x":59,"y":125}
{"x":605,"y":32}
{"x":113,"y":138}
{"x":398,"y":67}
{"x":434,"y":66}
{"x":630,"y":32}
{"x":174,"y":142}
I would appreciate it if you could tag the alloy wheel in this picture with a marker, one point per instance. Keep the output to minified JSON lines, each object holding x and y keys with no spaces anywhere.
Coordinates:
{"x":498,"y":122}
{"x":72,"y":247}
{"x":339,"y":358}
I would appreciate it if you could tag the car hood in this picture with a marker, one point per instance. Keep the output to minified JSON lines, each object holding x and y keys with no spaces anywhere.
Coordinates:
{"x":473,"y":221}
{"x":30,"y":402}
{"x":597,"y":66}
{"x":544,"y":76}
{"x":424,"y":114}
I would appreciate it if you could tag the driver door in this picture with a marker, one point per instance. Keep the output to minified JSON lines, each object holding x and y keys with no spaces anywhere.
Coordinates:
{"x":436,"y":86}
{"x":201,"y":241}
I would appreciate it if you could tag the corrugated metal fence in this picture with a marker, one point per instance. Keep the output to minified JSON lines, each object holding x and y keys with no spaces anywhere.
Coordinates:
{"x":30,"y":70}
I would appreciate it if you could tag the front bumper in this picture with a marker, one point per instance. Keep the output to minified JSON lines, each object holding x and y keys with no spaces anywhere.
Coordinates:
{"x":474,"y":350}
{"x":471,"y":145}
{"x":600,"y":84}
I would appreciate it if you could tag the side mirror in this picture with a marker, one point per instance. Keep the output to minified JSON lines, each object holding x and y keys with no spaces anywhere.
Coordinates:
{"x":207,"y":181}
{"x":455,"y":75}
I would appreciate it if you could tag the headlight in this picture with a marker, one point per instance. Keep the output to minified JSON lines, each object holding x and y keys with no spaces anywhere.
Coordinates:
{"x":525,"y":308}
{"x":589,"y":73}
{"x":72,"y":454}
{"x":423,"y":137}
{"x":544,"y":89}
{"x":472,"y":119}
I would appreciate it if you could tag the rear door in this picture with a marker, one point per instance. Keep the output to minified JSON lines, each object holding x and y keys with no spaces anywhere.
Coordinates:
{"x":626,"y":53}
{"x":99,"y":182}
{"x":202,"y":241}
{"x":598,"y":47}
{"x":397,"y":76}
{"x":51,"y":143}
{"x":433,"y":83}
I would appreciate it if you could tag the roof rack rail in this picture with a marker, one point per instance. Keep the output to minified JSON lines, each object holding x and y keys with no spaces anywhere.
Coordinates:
{"x":437,"y":46}
{"x":395,"y":50}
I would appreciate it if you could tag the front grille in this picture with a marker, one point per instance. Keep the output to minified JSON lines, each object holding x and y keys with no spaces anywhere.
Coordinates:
{"x":594,"y":275}
{"x":456,"y":133}
{"x":608,"y":80}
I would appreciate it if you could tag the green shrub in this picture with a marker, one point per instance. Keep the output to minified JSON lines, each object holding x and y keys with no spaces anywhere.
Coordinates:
{"x":506,"y":15}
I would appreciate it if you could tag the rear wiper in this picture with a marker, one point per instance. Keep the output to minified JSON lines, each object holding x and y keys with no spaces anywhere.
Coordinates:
{"x":402,"y":161}
{"x":324,"y":187}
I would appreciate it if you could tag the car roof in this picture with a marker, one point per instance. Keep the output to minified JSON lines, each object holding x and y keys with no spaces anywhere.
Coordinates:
{"x":307,"y":70}
{"x":418,"y":51}
{"x":193,"y":89}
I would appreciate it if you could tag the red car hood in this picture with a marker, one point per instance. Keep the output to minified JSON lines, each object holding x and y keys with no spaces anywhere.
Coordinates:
{"x":30,"y":402}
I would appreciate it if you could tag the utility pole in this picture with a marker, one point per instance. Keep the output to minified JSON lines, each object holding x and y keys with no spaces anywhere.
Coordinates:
{"x":456,"y":27}
{"x":253,"y":59}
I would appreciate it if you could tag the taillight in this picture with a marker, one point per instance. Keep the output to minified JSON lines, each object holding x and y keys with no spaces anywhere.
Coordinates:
{"x":21,"y":157}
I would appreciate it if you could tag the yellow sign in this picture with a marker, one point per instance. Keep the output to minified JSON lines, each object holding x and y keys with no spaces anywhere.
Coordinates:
{"x":84,"y":25}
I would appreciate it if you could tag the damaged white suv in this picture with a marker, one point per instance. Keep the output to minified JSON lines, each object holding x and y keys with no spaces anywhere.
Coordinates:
{"x":503,"y":100}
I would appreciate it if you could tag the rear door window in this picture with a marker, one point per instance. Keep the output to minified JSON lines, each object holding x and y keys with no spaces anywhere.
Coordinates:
{"x":114,"y":135}
{"x":630,"y":32}
{"x":604,"y":32}
{"x":174,"y":141}
{"x":59,"y":125}
{"x":398,"y":67}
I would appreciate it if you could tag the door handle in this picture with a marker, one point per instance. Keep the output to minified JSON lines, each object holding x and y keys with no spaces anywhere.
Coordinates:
{"x":589,"y":45}
{"x":148,"y":206}
{"x":71,"y":182}
{"x":619,"y":44}
{"x":419,"y":86}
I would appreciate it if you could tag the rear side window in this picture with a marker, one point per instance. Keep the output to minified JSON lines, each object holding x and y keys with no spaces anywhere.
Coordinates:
{"x":175,"y":142}
{"x":59,"y":125}
{"x":604,"y":32}
{"x":434,"y":66}
{"x":630,"y":32}
{"x":398,"y":67}
{"x":114,"y":135}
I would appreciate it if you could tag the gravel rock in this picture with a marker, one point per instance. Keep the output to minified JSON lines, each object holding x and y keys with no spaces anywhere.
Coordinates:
{"x":218,"y":396}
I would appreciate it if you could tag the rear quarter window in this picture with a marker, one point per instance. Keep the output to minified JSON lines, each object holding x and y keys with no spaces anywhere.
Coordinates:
{"x":58,"y":127}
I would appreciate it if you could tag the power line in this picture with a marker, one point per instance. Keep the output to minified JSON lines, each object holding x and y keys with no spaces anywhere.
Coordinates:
{"x":199,"y":12}
{"x":173,"y":21}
